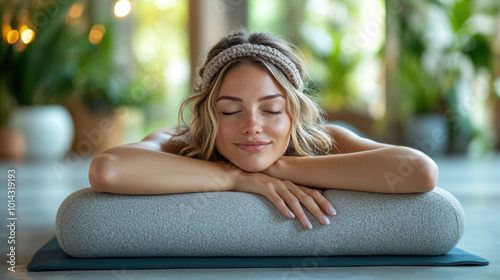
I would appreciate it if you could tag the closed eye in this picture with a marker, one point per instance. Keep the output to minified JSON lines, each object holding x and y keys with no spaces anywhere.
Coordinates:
{"x":274,"y":112}
{"x":230,"y":113}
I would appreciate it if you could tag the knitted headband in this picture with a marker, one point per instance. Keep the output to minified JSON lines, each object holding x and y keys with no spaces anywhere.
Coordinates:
{"x":248,"y":50}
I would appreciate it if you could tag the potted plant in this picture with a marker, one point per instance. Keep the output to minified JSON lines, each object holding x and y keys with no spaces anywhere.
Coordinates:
{"x":72,"y":62}
{"x":475,"y":27}
{"x":415,"y":91}
{"x":37,"y":71}
{"x":420,"y":101}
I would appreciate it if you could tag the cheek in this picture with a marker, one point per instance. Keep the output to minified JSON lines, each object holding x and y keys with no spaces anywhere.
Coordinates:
{"x":281,"y":128}
{"x":224,"y":132}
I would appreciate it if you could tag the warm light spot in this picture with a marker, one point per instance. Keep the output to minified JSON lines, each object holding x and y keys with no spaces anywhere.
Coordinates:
{"x":76,"y":10}
{"x":27,"y":36}
{"x":122,"y":8}
{"x":96,"y":33}
{"x":12,"y":36}
{"x":5,"y":30}
{"x":74,"y":14}
{"x":23,"y":28}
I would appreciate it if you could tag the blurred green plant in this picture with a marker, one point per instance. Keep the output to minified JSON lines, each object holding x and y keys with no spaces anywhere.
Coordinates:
{"x":332,"y":42}
{"x":38,"y":71}
{"x":61,"y":61}
{"x":444,"y":46}
{"x":334,"y":71}
{"x":417,"y":87}
{"x":474,"y":28}
{"x":101,"y":83}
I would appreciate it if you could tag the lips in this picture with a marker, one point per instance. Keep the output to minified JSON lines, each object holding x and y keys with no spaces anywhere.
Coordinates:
{"x":253,"y":146}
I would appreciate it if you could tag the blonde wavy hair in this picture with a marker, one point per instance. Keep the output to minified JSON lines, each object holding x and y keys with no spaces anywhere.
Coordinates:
{"x":308,"y":137}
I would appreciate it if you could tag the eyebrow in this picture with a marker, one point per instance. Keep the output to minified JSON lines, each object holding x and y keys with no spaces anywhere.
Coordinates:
{"x":237,"y":99}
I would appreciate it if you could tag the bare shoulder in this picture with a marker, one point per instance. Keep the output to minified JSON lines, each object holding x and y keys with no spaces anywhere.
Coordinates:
{"x":166,"y":139}
{"x":347,"y":141}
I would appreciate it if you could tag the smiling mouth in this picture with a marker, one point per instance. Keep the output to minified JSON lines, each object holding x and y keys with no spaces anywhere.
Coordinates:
{"x":253,"y":147}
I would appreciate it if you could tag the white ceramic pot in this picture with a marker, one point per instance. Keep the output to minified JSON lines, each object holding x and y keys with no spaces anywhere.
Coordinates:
{"x":47,"y":129}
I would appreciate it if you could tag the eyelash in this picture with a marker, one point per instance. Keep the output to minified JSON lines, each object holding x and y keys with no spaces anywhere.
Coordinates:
{"x":269,"y":112}
{"x":274,"y":112}
{"x":229,"y":114}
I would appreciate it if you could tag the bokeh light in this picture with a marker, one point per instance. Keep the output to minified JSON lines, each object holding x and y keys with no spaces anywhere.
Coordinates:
{"x":76,"y":10}
{"x":12,"y":36}
{"x":122,"y":8}
{"x":74,"y":13}
{"x":96,"y":33}
{"x":27,"y":35}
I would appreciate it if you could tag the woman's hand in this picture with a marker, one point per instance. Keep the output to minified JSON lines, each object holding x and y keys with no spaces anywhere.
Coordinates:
{"x":287,"y":197}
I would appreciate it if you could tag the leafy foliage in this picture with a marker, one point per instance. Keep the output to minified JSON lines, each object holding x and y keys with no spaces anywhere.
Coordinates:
{"x":42,"y":71}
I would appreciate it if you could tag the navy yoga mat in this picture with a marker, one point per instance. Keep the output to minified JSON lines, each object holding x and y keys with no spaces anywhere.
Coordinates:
{"x":52,"y":257}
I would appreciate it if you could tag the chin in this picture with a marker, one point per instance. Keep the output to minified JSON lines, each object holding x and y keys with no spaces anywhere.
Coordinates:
{"x":253,"y":167}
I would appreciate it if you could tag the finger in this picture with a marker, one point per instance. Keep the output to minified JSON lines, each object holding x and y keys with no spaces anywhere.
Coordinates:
{"x":280,"y":204}
{"x":306,"y":197}
{"x":320,"y":200}
{"x":294,"y":204}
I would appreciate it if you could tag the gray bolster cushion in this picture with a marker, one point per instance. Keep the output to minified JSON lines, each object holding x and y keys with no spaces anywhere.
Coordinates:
{"x":90,"y":224}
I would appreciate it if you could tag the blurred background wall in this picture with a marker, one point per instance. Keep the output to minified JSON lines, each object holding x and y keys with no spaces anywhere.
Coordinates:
{"x":425,"y":74}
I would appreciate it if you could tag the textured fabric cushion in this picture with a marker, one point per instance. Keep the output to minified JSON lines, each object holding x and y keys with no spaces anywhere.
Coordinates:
{"x":91,"y":224}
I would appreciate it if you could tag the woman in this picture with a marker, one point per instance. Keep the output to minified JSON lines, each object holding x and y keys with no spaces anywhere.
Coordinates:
{"x":254,"y":130}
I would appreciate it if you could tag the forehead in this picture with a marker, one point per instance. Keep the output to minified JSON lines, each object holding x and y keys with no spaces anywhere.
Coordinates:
{"x":249,"y":80}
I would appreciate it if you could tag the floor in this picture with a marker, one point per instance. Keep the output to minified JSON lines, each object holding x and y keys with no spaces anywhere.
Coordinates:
{"x":42,"y":186}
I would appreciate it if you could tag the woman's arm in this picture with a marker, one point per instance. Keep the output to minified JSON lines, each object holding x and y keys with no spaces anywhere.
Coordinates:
{"x":361,"y":164}
{"x":153,"y":166}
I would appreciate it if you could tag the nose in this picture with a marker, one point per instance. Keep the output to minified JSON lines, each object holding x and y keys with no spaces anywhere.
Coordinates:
{"x":252,"y":124}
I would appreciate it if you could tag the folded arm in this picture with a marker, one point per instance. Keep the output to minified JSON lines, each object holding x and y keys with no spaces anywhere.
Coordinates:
{"x":153,"y":166}
{"x":361,"y":164}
